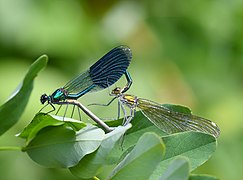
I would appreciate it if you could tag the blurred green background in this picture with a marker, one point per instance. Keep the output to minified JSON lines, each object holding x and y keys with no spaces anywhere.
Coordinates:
{"x":184,"y":52}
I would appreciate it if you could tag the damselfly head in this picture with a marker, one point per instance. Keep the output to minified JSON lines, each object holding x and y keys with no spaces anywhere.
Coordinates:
{"x":44,"y":98}
{"x":116,"y":91}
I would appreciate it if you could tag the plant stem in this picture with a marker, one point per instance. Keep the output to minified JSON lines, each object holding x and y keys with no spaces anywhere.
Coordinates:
{"x":10,"y":148}
{"x":89,"y":113}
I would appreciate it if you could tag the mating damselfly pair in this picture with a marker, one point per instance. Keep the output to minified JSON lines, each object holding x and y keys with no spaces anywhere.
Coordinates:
{"x":107,"y":71}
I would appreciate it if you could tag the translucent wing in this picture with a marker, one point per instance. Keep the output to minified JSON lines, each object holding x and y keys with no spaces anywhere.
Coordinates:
{"x":105,"y":72}
{"x":172,"y":121}
{"x":80,"y":83}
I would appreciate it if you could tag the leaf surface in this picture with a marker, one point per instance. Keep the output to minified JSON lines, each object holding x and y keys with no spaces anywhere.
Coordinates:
{"x":91,"y":164}
{"x":63,"y":147}
{"x":142,"y":160}
{"x":178,"y":169}
{"x":197,"y":147}
{"x":42,"y":120}
{"x":11,"y":111}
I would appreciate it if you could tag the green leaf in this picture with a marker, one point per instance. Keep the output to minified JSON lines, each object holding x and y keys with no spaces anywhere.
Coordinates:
{"x":91,"y":164}
{"x":197,"y":147}
{"x":178,"y":169}
{"x":142,"y":160}
{"x":182,"y":144}
{"x":140,"y":125}
{"x":11,"y":111}
{"x":62,"y":147}
{"x":178,"y":108}
{"x":202,"y":177}
{"x":42,"y":120}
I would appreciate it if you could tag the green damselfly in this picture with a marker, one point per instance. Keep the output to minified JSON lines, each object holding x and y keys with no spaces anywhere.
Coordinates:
{"x":167,"y":119}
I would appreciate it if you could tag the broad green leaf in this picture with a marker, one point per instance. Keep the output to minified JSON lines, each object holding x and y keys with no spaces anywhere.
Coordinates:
{"x":91,"y":164}
{"x":63,"y":147}
{"x":140,"y":125}
{"x":202,"y":177}
{"x":197,"y":147}
{"x":178,"y":108}
{"x":177,"y":170}
{"x":42,"y":120}
{"x":142,"y":160}
{"x":11,"y":111}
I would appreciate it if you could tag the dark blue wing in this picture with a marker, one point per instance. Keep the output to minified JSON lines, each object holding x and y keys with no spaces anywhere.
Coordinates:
{"x":111,"y":67}
{"x":105,"y":72}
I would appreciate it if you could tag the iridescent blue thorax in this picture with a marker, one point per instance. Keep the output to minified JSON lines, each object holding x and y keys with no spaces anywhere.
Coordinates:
{"x":59,"y":95}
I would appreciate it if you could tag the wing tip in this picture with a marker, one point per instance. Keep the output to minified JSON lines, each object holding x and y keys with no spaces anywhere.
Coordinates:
{"x":127,"y":50}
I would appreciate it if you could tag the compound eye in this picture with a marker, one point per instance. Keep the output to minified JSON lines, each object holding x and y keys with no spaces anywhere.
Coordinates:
{"x":117,"y":90}
{"x":43,"y":98}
